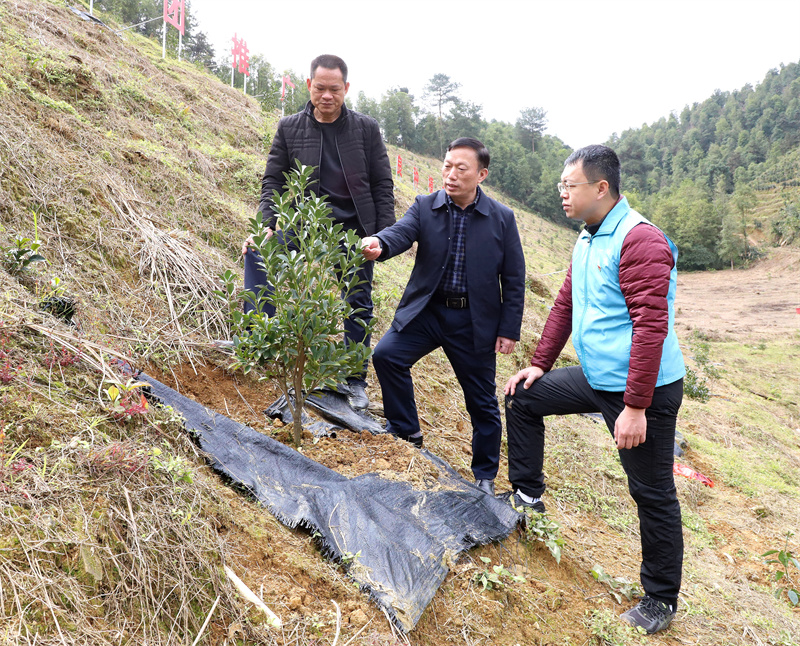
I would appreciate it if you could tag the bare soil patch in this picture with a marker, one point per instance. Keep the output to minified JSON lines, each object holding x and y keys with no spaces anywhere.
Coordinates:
{"x":754,"y":303}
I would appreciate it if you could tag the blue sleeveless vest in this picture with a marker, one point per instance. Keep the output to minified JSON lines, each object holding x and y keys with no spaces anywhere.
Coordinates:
{"x":601,"y":325}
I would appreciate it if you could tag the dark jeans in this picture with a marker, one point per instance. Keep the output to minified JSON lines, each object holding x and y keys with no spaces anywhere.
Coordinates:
{"x":451,"y":329}
{"x":255,"y":277}
{"x":648,"y":466}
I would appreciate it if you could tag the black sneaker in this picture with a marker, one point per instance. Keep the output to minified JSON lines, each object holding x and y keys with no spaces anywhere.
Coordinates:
{"x":650,"y":614}
{"x":516,"y":501}
{"x":486,"y":486}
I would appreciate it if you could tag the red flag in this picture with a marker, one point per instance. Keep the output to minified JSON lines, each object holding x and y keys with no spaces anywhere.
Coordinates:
{"x":241,"y":54}
{"x":430,"y":184}
{"x":416,"y":177}
{"x":399,"y":166}
{"x":286,"y":81}
{"x":244,"y":59}
{"x":235,"y":51}
{"x":175,"y":14}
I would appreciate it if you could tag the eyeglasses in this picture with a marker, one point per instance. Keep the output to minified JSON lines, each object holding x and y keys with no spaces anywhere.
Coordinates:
{"x":566,"y":188}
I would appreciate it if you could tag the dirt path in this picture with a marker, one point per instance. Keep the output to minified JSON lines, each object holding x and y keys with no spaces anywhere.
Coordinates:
{"x":752,"y":304}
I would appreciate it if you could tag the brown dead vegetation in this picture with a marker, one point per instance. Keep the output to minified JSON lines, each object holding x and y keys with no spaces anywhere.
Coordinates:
{"x":142,"y":174}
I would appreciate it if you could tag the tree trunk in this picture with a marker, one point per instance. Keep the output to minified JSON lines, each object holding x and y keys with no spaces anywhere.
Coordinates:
{"x":299,"y":396}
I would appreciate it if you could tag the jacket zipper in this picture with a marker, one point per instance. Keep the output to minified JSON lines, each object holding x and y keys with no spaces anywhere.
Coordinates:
{"x":585,"y":304}
{"x":346,"y":181}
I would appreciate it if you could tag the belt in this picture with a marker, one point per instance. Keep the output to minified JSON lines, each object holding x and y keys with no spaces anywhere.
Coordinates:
{"x":453,"y":302}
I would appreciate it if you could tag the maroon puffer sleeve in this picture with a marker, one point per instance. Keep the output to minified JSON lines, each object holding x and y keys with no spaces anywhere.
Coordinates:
{"x":557,"y":328}
{"x":644,"y":268}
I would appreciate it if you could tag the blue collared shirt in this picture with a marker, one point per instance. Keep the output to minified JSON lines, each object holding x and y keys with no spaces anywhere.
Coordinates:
{"x":454,"y":279}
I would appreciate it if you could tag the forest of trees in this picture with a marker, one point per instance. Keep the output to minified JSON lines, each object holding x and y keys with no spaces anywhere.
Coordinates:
{"x":427,"y":127}
{"x":696,"y":174}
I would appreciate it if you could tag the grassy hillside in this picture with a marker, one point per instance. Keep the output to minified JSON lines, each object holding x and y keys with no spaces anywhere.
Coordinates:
{"x":139,"y":175}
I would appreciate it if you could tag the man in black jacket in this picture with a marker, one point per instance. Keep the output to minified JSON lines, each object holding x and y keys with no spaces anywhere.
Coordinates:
{"x":466,"y":295}
{"x":352,"y":171}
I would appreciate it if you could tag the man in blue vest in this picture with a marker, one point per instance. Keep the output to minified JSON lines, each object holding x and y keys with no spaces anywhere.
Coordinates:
{"x":617,"y":302}
{"x":466,"y":295}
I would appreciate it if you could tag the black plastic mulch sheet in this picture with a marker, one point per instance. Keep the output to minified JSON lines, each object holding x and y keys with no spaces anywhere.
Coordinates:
{"x":280,"y":409}
{"x":403,"y":537}
{"x":333,"y":407}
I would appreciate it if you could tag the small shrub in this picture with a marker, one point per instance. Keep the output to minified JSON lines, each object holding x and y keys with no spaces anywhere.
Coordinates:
{"x":694,"y":386}
{"x":701,"y":352}
{"x":127,"y":400}
{"x":300,"y":346}
{"x":19,"y":256}
{"x":539,"y":527}
{"x":495,"y":576}
{"x":173,"y":465}
{"x":788,"y":563}
{"x":618,"y":587}
{"x":62,"y":358}
{"x":608,"y":630}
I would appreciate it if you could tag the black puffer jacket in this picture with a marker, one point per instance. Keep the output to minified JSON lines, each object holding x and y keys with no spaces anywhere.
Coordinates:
{"x":362,"y":154}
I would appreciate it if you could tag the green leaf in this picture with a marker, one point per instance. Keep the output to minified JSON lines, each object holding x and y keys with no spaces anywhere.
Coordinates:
{"x":555,"y":550}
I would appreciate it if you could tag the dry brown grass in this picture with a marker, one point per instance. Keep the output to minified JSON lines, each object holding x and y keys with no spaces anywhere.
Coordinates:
{"x":142,"y":174}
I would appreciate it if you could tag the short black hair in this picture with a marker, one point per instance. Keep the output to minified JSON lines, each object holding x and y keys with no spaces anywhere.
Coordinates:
{"x":470,"y":142}
{"x":599,"y":162}
{"x":329,"y":62}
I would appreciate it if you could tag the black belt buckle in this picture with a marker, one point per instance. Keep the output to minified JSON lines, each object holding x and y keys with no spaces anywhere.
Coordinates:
{"x":456,"y":302}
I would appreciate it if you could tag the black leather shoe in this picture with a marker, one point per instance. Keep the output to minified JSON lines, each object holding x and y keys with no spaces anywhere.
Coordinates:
{"x":416,"y":441}
{"x":486,"y":486}
{"x":357,"y":397}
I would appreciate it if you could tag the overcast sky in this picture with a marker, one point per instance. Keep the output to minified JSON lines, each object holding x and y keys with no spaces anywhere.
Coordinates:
{"x":597,"y":66}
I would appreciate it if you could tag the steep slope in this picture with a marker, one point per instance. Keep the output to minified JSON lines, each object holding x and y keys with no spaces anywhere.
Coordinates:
{"x":139,"y":176}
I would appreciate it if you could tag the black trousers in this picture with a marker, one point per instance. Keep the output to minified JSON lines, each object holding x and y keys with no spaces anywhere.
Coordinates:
{"x":451,"y":329}
{"x":255,"y":278}
{"x":648,"y":466}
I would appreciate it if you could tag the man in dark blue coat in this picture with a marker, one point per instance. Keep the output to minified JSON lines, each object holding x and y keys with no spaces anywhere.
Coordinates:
{"x":466,"y":294}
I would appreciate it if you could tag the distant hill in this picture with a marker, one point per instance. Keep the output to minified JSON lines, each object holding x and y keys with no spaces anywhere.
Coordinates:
{"x":732,"y":161}
{"x":138,"y":176}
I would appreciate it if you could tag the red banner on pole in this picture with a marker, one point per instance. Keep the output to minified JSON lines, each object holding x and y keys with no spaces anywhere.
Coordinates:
{"x":175,"y":14}
{"x":399,"y":166}
{"x":430,"y":184}
{"x":240,"y":55}
{"x":235,"y":50}
{"x":286,"y":81}
{"x":416,"y":178}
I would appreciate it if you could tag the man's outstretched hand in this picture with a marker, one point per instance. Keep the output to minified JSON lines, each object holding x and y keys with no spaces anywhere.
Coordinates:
{"x":371,"y":248}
